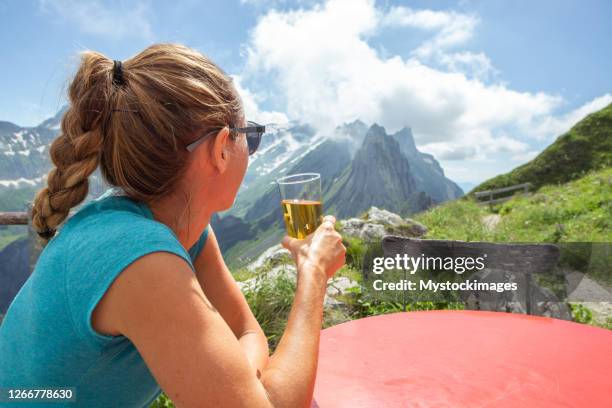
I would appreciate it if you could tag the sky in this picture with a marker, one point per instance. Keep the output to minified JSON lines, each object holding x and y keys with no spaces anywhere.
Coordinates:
{"x":484,"y":85}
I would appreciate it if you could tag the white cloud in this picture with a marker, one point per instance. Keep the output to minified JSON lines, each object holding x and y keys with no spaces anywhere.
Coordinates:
{"x":451,"y":28}
{"x":113,"y":20}
{"x":250,"y":103}
{"x":327,"y":82}
{"x":505,"y":144}
{"x":552,"y":126}
{"x":475,"y":65}
{"x":450,"y":151}
{"x":319,"y":63}
{"x":487,"y":148}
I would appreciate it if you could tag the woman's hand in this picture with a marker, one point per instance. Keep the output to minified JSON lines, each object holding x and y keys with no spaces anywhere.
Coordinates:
{"x":323,"y":249}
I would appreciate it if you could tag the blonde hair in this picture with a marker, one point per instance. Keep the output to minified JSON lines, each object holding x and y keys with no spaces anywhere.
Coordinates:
{"x":136,"y":131}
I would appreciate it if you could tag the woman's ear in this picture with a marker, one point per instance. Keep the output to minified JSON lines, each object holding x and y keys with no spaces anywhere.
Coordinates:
{"x":219,"y":157}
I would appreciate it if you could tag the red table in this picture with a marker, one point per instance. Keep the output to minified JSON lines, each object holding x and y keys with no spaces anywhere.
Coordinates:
{"x":464,"y":359}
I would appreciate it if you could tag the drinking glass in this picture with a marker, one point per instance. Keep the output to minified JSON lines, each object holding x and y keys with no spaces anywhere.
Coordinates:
{"x":301,"y":202}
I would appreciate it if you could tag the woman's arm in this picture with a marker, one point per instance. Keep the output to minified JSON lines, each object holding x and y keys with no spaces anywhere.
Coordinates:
{"x":317,"y":258}
{"x":158,"y":303}
{"x":289,"y":376}
{"x":221,"y":289}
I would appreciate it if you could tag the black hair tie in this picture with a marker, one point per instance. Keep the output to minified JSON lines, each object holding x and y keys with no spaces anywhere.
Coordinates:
{"x":47,"y":233}
{"x":117,"y":73}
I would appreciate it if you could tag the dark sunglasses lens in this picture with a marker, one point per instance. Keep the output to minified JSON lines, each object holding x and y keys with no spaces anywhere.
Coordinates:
{"x":253,"y":140}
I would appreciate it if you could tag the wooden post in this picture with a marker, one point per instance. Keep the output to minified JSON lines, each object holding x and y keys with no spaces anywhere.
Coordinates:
{"x":529,"y":292}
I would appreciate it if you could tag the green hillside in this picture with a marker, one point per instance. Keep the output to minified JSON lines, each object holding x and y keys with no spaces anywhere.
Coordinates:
{"x":586,"y":146}
{"x":578,"y":211}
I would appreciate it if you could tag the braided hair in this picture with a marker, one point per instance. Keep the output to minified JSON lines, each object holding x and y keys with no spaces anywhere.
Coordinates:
{"x":134,"y":127}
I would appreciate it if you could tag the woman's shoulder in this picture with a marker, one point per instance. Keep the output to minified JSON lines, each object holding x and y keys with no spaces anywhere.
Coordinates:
{"x":111,"y":210}
{"x":112,"y":226}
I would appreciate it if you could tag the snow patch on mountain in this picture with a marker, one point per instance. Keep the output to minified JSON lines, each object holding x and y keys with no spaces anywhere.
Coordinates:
{"x":21,"y":182}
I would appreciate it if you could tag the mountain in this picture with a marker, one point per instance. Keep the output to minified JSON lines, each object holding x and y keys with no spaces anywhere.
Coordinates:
{"x":14,"y":271}
{"x":586,"y":146}
{"x":233,"y":230}
{"x":24,"y":153}
{"x":329,"y":159}
{"x":264,"y":217}
{"x":25,"y":161}
{"x":379,"y":175}
{"x":281,"y":147}
{"x":360,"y":166}
{"x":353,"y":133}
{"x":427,"y":172}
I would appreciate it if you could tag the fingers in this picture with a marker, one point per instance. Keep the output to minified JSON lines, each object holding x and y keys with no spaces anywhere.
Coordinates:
{"x":288,"y":242}
{"x":329,"y":218}
{"x":329,"y":222}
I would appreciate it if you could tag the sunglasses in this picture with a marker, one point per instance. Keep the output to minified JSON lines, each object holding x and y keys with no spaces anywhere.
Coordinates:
{"x":254,"y":132}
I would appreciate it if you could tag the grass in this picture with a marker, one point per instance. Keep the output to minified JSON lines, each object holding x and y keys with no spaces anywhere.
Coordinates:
{"x":583,"y":314}
{"x":579,"y":211}
{"x":11,"y":233}
{"x":270,"y":300}
{"x":5,"y":240}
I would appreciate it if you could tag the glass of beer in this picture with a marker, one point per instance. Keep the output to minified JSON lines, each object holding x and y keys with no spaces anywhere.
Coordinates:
{"x":301,"y":202}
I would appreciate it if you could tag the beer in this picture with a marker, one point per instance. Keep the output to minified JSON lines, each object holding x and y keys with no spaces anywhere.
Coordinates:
{"x":302,"y":217}
{"x":300,"y":196}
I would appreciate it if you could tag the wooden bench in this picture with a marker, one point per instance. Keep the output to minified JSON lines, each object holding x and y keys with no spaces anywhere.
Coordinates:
{"x":487,"y":197}
{"x":505,"y":262}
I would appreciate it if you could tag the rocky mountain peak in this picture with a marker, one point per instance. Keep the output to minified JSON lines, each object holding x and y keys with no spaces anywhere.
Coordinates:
{"x":406,"y":140}
{"x":375,"y":131}
{"x":379,"y":175}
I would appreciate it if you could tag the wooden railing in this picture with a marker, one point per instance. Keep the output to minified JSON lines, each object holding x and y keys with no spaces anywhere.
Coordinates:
{"x":34,"y":242}
{"x":13,"y":218}
{"x":487,"y":197}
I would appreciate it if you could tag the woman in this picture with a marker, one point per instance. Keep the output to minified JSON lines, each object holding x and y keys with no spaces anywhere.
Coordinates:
{"x":131,"y":293}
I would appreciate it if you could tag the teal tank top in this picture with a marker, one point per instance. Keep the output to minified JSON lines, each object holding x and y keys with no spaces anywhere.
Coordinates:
{"x":46,"y":338}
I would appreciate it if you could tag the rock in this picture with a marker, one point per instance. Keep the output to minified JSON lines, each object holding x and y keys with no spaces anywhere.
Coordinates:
{"x":372,"y":232}
{"x":411,"y":228}
{"x":378,"y":223}
{"x":275,"y":272}
{"x":378,"y":216}
{"x":340,"y":285}
{"x":352,"y":226}
{"x":335,"y":286}
{"x":272,"y":254}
